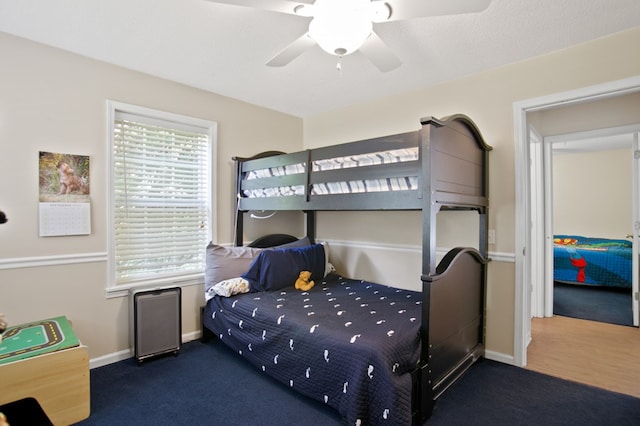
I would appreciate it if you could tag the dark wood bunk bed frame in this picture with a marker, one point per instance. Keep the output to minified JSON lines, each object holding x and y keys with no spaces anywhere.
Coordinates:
{"x":452,"y":171}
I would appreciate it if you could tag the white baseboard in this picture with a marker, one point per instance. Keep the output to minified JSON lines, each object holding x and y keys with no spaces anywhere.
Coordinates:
{"x":110,"y":358}
{"x":500,"y":357}
{"x":194,"y":335}
{"x":128,"y":353}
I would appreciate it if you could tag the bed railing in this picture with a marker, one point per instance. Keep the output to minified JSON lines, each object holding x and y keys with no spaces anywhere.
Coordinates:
{"x":445,"y":159}
{"x":376,"y":174}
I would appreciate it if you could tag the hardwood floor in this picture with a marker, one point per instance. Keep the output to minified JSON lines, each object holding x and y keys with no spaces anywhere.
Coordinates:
{"x":594,"y":353}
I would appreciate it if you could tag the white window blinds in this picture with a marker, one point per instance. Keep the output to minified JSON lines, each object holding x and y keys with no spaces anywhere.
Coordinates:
{"x":160,"y":200}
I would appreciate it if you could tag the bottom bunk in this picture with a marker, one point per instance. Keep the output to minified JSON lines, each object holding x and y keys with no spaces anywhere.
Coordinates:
{"x":355,"y":345}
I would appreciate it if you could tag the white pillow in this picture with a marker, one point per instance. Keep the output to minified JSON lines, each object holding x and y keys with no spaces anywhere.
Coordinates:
{"x":328,"y":267}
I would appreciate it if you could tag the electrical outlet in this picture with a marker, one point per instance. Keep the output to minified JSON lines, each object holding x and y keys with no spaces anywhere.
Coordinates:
{"x":492,"y":236}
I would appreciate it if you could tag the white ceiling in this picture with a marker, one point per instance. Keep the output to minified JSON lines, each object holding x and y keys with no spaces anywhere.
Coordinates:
{"x":223,"y":48}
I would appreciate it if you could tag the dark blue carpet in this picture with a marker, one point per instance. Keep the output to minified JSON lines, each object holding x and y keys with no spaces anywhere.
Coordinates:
{"x":602,"y":304}
{"x":208,"y":384}
{"x":497,"y":394}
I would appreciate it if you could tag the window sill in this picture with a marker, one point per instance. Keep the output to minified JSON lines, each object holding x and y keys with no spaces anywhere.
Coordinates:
{"x":123,"y":290}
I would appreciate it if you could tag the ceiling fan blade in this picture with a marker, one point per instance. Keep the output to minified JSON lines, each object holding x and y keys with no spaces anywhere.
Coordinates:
{"x":379,"y":53}
{"x":407,"y":9}
{"x":282,"y":6}
{"x":292,"y":51}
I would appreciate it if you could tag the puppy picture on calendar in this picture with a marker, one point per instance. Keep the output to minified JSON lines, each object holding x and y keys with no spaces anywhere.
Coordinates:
{"x":63,"y":177}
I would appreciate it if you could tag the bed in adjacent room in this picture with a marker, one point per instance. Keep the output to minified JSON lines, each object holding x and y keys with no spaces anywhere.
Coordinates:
{"x":592,"y":261}
{"x":375,"y":353}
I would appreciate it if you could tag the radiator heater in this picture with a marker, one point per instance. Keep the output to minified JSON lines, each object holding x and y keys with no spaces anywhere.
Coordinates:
{"x":156,"y":322}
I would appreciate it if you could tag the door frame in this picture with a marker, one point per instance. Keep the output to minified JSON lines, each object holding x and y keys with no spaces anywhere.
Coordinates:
{"x":635,"y":288}
{"x":524,"y":227}
{"x":547,"y":166}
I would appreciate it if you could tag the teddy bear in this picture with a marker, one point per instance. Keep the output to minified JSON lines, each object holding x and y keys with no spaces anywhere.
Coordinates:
{"x":303,"y":283}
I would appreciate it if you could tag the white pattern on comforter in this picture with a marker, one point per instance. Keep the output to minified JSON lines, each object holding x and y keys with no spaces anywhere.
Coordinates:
{"x":348,"y":343}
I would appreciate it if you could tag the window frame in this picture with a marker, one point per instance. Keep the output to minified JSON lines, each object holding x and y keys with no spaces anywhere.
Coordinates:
{"x":210,"y":129}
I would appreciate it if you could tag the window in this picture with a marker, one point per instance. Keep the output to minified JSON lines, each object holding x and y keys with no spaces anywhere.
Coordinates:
{"x":161,"y":202}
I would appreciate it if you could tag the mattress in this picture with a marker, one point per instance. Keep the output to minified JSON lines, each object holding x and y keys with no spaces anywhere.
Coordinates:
{"x":348,"y":343}
{"x":403,"y":183}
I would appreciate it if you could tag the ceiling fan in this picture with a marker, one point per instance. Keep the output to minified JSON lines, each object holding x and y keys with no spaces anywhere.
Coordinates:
{"x":341,"y":27}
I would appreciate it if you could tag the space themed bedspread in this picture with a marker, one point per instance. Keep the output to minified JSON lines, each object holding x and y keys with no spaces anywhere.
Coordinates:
{"x":348,"y":343}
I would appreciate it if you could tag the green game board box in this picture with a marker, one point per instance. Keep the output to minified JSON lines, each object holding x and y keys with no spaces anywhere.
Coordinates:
{"x":36,"y":338}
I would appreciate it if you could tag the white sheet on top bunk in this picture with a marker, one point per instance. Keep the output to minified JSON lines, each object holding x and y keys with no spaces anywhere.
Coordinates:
{"x":382,"y":157}
{"x":347,"y":187}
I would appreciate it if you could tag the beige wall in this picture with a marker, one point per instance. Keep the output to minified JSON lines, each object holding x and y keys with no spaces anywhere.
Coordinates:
{"x":592,"y":193}
{"x":54,"y":101}
{"x":488,"y":99}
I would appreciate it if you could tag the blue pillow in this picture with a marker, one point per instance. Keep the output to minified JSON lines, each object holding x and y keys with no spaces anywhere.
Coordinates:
{"x":279,"y":268}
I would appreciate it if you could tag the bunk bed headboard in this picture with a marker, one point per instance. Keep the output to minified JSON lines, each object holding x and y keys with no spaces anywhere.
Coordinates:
{"x":455,"y":165}
{"x":458,"y":161}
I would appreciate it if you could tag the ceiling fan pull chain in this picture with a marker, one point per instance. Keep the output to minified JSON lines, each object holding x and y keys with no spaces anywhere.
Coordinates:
{"x":339,"y":65}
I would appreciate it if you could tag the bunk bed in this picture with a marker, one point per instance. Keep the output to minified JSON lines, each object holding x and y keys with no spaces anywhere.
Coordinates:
{"x":394,"y":352}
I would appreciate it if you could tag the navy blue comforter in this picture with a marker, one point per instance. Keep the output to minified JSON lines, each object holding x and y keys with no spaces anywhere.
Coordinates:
{"x":348,"y":343}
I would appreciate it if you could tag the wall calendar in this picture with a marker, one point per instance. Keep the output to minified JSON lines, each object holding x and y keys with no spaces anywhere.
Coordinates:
{"x":65,"y":207}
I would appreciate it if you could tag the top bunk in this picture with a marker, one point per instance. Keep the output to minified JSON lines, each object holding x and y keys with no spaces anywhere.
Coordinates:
{"x":443,"y":164}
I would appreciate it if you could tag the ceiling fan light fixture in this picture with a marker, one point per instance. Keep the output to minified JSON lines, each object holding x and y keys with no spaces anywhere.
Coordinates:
{"x":380,"y":11}
{"x":305,"y":10}
{"x":340,"y":27}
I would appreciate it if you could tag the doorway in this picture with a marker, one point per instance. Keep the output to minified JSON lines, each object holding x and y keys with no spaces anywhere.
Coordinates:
{"x":561,"y":110}
{"x":589,"y":182}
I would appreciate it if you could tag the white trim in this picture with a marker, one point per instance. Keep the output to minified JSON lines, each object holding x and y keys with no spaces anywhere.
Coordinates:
{"x":440,"y":251}
{"x":522,"y":232}
{"x":110,"y":358}
{"x":113,"y":108}
{"x":537,"y":180}
{"x":547,"y":227}
{"x":502,"y":257}
{"x":157,"y":114}
{"x":374,"y":246}
{"x":498,"y":356}
{"x":114,"y":357}
{"x":547,"y":168}
{"x":39,"y":261}
{"x":593,"y":134}
{"x":122,"y":290}
{"x":590,"y":93}
{"x":635,"y":276}
{"x":195,"y":335}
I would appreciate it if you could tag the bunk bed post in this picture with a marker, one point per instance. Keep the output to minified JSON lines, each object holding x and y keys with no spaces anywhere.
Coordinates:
{"x":238,"y":238}
{"x":310,"y":216}
{"x":429,"y":211}
{"x":484,"y":216}
{"x":429,"y":207}
{"x":484,"y":230}
{"x":239,"y":215}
